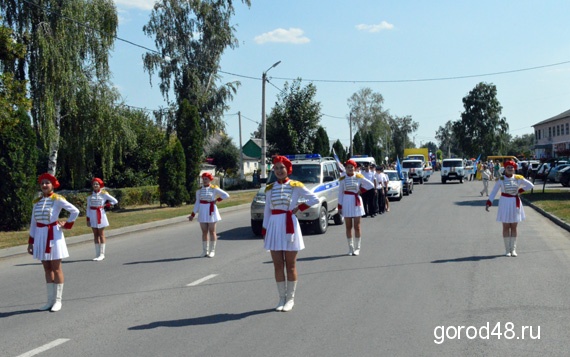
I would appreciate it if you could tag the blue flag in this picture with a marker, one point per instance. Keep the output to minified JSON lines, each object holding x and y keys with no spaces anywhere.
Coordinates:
{"x":340,"y":165}
{"x":476,"y":163}
{"x":398,"y":167}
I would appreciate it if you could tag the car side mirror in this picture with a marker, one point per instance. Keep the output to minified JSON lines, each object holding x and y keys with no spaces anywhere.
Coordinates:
{"x":328,"y":179}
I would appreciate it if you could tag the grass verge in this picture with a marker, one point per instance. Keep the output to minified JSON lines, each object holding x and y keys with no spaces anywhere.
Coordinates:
{"x":555,"y":202}
{"x":129,"y":217}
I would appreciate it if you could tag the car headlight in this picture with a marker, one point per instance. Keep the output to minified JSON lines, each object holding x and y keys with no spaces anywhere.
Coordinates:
{"x":259,"y":198}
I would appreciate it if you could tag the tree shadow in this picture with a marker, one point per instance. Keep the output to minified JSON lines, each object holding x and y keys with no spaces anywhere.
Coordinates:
{"x":474,"y":258}
{"x":203,"y":320}
{"x":169,"y":260}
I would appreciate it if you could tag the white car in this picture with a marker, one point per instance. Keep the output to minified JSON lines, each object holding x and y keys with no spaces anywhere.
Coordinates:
{"x":395,"y":189}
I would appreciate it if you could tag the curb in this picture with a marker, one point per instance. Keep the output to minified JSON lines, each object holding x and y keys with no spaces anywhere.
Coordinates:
{"x":551,"y":217}
{"x":22,"y":249}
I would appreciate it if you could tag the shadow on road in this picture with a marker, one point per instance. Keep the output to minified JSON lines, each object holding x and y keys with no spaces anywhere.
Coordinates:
{"x":474,"y":258}
{"x":239,"y":233}
{"x":204,"y":320}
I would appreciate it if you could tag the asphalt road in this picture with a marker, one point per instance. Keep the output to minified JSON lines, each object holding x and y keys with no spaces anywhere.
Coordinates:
{"x":431,"y":280}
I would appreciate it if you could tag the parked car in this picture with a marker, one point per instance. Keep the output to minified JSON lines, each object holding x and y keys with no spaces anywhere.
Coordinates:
{"x":407,"y":184}
{"x":565,"y":178}
{"x":561,"y":172}
{"x":318,"y":174}
{"x":544,"y":169}
{"x":552,"y":173}
{"x":395,"y":189}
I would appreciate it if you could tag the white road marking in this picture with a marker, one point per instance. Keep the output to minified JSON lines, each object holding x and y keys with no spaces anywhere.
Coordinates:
{"x":45,"y":347}
{"x":200,"y":281}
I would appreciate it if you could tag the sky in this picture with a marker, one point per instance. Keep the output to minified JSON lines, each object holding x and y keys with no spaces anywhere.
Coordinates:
{"x":422,"y":56}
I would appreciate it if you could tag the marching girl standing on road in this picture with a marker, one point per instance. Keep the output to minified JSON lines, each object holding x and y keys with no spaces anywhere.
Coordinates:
{"x":350,"y":204}
{"x":46,"y":242}
{"x":281,"y":229}
{"x":97,"y":217}
{"x":208,"y":214}
{"x":510,"y":211}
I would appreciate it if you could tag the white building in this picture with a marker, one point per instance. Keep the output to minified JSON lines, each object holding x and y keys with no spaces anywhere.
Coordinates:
{"x":552,"y":137}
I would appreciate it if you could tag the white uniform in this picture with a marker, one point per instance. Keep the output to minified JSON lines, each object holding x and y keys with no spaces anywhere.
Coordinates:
{"x":96,"y":215}
{"x":205,"y":205}
{"x":44,"y":227}
{"x":280,"y":200}
{"x":510,"y":206}
{"x":349,"y":199}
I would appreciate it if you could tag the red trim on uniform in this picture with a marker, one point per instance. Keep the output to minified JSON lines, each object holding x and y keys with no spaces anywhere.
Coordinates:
{"x":99,"y":212}
{"x":339,"y":206}
{"x":489,"y":203}
{"x":219,"y":199}
{"x":521,"y":190}
{"x":50,"y":233}
{"x":263,"y":232}
{"x":30,"y":240}
{"x":362,"y":190}
{"x":212,"y":204}
{"x":68,"y":225}
{"x":516,"y":196}
{"x":193,"y":214}
{"x":356,"y":200}
{"x":289,"y":228}
{"x":303,"y":207}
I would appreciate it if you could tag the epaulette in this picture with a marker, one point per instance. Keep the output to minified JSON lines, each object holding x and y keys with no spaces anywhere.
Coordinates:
{"x":104,"y":191}
{"x":359,"y":176}
{"x":295,"y":183}
{"x":214,"y":186}
{"x":269,"y":187}
{"x":519,"y":177}
{"x":342,"y":178}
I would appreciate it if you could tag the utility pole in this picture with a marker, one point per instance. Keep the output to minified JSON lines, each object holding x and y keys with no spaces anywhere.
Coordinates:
{"x":242,"y":174}
{"x":263,"y":124}
{"x":350,"y":131}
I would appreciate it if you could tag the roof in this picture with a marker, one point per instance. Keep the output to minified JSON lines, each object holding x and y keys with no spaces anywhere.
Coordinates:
{"x":566,"y":114}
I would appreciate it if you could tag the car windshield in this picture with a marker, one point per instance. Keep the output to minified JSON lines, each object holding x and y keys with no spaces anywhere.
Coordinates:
{"x":393,"y":176}
{"x":411,"y":164}
{"x":306,"y":173}
{"x":455,"y":163}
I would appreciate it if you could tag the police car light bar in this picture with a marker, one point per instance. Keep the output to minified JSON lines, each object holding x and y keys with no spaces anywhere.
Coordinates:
{"x":303,"y":156}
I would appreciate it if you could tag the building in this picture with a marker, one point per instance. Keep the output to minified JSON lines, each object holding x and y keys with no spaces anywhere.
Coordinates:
{"x":552,"y":137}
{"x":251,"y":155}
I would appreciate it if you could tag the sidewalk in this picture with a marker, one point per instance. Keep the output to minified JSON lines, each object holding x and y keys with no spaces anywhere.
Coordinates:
{"x":22,"y":249}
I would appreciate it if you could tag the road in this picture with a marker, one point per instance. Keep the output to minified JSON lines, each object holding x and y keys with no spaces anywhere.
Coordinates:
{"x":431,"y":280}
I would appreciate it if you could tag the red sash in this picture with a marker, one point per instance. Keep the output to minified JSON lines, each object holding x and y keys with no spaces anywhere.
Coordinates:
{"x":356,"y":200}
{"x":50,"y":233}
{"x":99,"y":213}
{"x":516,"y":196}
{"x":289,"y":229}
{"x":212,"y":203}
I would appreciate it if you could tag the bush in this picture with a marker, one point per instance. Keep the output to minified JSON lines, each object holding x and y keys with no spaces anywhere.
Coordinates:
{"x":127,"y":197}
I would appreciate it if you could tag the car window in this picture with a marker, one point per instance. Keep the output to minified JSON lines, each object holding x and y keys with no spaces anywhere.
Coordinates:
{"x":309,"y":173}
{"x":393,"y":176}
{"x":457,"y":163}
{"x":411,"y":164}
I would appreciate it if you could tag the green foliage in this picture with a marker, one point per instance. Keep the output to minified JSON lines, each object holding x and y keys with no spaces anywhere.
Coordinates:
{"x":401,"y":128}
{"x":321,"y":143}
{"x":294,"y":120}
{"x":191,"y":137}
{"x":127,"y":197}
{"x":225,"y":155}
{"x":481,"y":128}
{"x":17,"y":169}
{"x":357,"y":144}
{"x":171,"y":177}
{"x":340,"y":151}
{"x":521,"y":146}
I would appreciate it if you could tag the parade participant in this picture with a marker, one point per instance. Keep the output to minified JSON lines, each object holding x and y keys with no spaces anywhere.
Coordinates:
{"x":369,"y":197}
{"x":381,"y":188}
{"x":208,"y":214}
{"x":485,"y":176}
{"x":281,"y":229}
{"x":350,"y":204}
{"x":510,"y":210}
{"x":97,"y":202}
{"x":46,"y":242}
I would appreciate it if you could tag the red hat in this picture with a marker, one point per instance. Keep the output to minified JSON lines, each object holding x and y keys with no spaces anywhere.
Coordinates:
{"x":96,"y":179}
{"x":510,"y":163}
{"x":49,"y":177}
{"x":351,"y":162}
{"x":285,"y":161}
{"x":208,"y":176}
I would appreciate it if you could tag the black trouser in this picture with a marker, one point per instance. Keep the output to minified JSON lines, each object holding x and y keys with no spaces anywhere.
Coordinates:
{"x":368,"y":200}
{"x":381,"y":201}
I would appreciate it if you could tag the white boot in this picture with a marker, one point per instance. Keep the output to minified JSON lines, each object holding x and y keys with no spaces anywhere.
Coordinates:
{"x":58,"y":293}
{"x":513,"y":246}
{"x":204,"y":249}
{"x":212,"y":252}
{"x":507,"y":246}
{"x":101,"y":253}
{"x":350,"y":246}
{"x":97,"y":252}
{"x":357,"y":246}
{"x":290,"y":298}
{"x":50,"y":287}
{"x":282,"y":290}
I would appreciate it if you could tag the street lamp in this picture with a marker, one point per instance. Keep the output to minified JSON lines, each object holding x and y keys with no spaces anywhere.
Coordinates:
{"x":263,"y":123}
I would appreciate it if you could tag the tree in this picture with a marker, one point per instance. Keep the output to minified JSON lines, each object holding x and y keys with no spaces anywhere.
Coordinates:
{"x":481,"y":127}
{"x":401,"y":128}
{"x":172,"y":172}
{"x":321,"y":143}
{"x":357,"y":144}
{"x":226,"y":156}
{"x":68,"y":44}
{"x":190,"y":136}
{"x":446,"y":137}
{"x":294,"y":120}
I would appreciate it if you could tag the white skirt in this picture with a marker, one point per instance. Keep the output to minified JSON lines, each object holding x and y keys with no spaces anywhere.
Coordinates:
{"x":276,"y":237}
{"x":349,"y":209}
{"x":58,"y":245}
{"x":508,"y":211}
{"x":204,"y":215}
{"x":92,"y":214}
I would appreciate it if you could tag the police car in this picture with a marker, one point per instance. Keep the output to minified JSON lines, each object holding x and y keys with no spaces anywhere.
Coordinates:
{"x":321,"y":176}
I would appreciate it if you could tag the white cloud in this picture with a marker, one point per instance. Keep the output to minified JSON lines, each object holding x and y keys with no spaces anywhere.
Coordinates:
{"x":139,"y":4}
{"x":375,"y":28}
{"x":292,"y":35}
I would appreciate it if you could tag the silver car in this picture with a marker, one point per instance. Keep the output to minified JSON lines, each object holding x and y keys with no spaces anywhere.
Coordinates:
{"x":318,"y":174}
